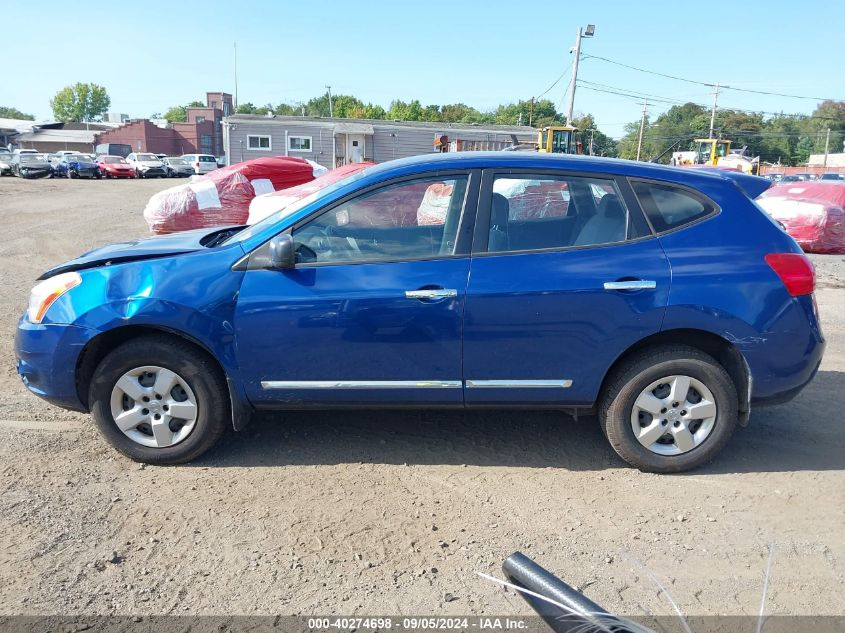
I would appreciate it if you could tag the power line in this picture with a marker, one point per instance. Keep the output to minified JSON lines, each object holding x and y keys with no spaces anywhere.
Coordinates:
{"x":704,"y":83}
{"x":638,"y":96}
{"x":563,"y":74}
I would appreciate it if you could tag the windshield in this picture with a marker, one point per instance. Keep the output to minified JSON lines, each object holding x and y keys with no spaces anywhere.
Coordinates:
{"x":177,"y":161}
{"x":113,"y":160}
{"x":5,"y":156}
{"x":29,"y":158}
{"x":207,"y":159}
{"x":146,"y":157}
{"x":293,"y":207}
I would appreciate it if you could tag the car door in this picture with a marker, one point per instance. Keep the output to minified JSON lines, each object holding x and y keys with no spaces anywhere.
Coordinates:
{"x":372,"y":312}
{"x":565,"y":276}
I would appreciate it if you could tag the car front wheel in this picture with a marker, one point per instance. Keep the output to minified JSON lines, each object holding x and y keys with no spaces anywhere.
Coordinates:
{"x":159,"y":400}
{"x":669,"y":409}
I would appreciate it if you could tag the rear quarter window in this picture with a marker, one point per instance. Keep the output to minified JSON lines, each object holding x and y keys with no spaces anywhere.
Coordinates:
{"x":669,"y":207}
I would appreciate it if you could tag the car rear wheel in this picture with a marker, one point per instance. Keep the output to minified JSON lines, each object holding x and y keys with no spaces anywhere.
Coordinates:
{"x":669,"y":409}
{"x":70,"y":173}
{"x":159,"y":400}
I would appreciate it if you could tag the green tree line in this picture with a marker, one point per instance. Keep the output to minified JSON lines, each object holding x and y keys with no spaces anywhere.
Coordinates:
{"x":779,"y":139}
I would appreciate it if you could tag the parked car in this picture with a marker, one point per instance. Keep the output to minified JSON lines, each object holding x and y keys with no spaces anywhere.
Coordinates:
{"x":202,"y":163}
{"x":77,"y":166}
{"x":833,"y":176}
{"x":113,"y":149}
{"x":5,"y":163}
{"x":28,"y":165}
{"x":773,"y":177}
{"x":146,"y":165}
{"x":115,"y":167}
{"x":806,"y":177}
{"x":790,"y":178}
{"x":169,"y":340}
{"x":177,"y":167}
{"x":25,"y":151}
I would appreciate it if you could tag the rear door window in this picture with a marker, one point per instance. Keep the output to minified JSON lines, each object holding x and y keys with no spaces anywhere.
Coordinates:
{"x":669,"y":207}
{"x":541,"y":212}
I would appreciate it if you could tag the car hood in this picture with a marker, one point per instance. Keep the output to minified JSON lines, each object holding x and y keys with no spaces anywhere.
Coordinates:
{"x":35,"y":164}
{"x":150,"y":248}
{"x":149,"y":163}
{"x":82,"y":164}
{"x":115,"y":166}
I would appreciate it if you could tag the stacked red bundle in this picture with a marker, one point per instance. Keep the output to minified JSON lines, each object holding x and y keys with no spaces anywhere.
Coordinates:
{"x":813,"y":213}
{"x":222,"y":197}
{"x":265,"y":205}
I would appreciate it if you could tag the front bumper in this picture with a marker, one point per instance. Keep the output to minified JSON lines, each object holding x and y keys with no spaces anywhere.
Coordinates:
{"x":47,"y":357}
{"x":36,"y":173}
{"x":120,"y":173}
{"x":152,"y":172}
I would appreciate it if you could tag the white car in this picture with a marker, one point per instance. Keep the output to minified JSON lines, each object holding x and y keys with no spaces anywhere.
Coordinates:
{"x":146,"y":165}
{"x":5,"y":163}
{"x":202,"y":163}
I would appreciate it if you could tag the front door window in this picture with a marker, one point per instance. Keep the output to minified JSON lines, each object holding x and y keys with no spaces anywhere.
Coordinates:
{"x":414,"y":219}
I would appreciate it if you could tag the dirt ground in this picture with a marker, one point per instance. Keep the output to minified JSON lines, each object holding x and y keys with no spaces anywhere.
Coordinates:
{"x":393,"y":513}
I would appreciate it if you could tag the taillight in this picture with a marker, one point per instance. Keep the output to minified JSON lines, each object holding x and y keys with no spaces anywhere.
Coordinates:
{"x":795,"y":270}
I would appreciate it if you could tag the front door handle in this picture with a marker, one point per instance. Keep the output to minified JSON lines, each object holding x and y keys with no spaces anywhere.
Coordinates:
{"x":634,"y":284}
{"x":431,"y":293}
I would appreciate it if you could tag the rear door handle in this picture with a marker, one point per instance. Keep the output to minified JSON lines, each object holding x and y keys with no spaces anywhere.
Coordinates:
{"x":634,"y":284}
{"x":431,"y":293}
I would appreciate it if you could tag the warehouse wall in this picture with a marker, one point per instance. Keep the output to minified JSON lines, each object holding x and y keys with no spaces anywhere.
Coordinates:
{"x":379,"y":147}
{"x":321,"y":141}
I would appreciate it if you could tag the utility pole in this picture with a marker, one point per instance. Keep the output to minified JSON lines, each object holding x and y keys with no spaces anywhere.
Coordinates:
{"x":826,"y":147}
{"x":713,"y":112}
{"x":519,"y":119}
{"x":642,"y":127}
{"x":331,"y":110}
{"x":235,"y":46}
{"x":588,"y":32}
{"x":531,"y":113}
{"x":574,"y":78}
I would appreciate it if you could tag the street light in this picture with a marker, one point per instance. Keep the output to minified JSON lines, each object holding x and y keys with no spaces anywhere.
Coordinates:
{"x":589,"y":31}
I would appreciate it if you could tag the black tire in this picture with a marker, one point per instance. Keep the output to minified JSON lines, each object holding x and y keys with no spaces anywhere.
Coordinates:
{"x":194,"y":366}
{"x":70,"y":174}
{"x":625,"y":384}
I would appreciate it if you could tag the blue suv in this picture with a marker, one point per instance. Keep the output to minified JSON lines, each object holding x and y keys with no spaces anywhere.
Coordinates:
{"x":663,"y":300}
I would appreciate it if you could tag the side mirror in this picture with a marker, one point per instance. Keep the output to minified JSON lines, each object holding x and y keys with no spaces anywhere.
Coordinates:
{"x":281,"y":252}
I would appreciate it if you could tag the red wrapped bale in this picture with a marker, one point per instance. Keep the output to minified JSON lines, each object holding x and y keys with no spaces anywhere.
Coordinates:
{"x":222,"y":197}
{"x":813,"y":213}
{"x":267,"y":204}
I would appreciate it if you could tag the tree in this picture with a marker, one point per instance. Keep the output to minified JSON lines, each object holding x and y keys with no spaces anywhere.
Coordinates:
{"x":176,"y":114}
{"x":80,"y":102}
{"x":595,"y":142}
{"x":14,"y":113}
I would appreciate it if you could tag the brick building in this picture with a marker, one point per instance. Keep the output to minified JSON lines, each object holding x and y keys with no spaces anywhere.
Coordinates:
{"x":202,"y":132}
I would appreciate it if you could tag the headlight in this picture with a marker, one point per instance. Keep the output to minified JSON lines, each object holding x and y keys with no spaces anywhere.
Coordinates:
{"x":46,"y":292}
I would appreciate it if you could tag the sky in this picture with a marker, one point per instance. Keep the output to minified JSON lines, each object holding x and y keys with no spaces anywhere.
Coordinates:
{"x":153,"y":56}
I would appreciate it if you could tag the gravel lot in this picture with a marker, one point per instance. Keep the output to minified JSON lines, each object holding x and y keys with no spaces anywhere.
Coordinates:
{"x":392,"y":513}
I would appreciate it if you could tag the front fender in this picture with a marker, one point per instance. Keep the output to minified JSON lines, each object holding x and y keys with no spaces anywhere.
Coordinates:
{"x":192,"y":296}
